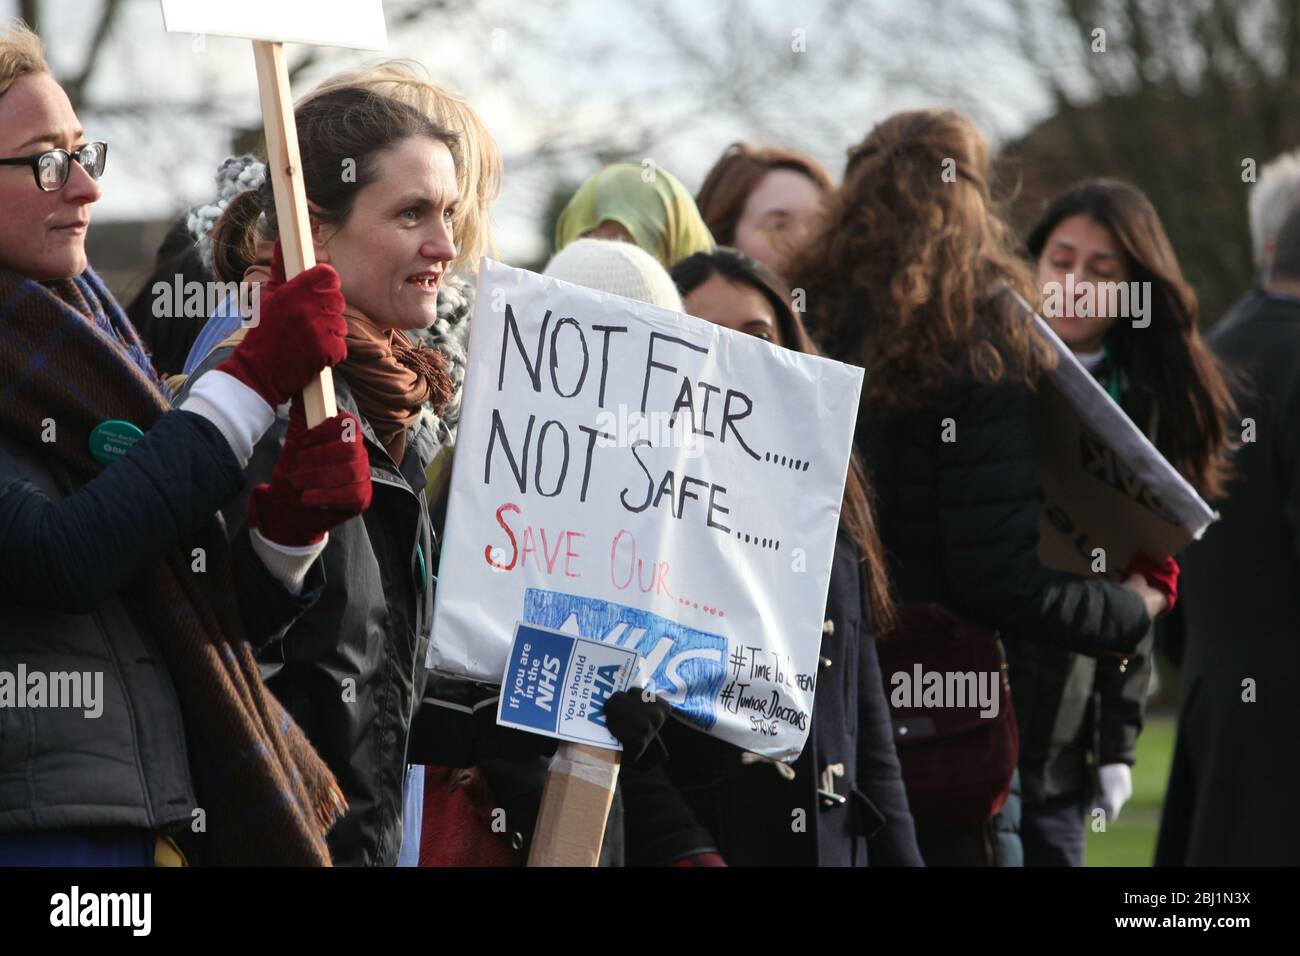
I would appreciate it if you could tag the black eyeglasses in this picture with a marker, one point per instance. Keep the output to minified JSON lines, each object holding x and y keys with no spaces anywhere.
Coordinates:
{"x":52,"y":167}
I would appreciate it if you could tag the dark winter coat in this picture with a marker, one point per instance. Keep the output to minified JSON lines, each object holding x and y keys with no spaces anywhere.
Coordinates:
{"x":959,"y":522}
{"x":66,"y":556}
{"x":1233,"y":788}
{"x":958,"y":502}
{"x":841,"y":803}
{"x":346,"y":658}
{"x":1074,"y":712}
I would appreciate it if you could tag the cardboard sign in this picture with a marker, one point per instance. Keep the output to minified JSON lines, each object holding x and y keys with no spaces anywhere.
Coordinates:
{"x":556,"y":685}
{"x":1104,"y":484}
{"x":358,"y":24}
{"x":653,"y":481}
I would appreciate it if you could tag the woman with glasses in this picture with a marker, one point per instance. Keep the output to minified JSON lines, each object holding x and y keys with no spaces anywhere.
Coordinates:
{"x":764,"y":201}
{"x":130,"y":700}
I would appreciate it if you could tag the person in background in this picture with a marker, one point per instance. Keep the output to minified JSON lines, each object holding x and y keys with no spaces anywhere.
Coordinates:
{"x":1232,"y":788}
{"x":1079,"y":717}
{"x":945,"y":429}
{"x":1270,"y":202}
{"x":168,"y":333}
{"x":847,"y":780}
{"x":645,"y":206}
{"x":236,"y":176}
{"x":110,"y":561}
{"x":764,"y":202}
{"x":352,"y":598}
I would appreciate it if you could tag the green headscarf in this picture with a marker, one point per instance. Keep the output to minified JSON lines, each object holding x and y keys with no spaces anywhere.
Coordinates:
{"x":660,"y":214}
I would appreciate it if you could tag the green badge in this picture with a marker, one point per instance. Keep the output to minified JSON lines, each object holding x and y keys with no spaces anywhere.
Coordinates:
{"x":112,"y":439}
{"x":421,"y":569}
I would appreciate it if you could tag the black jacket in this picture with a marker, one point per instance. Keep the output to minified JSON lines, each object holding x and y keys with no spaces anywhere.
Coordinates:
{"x":1233,"y":787}
{"x":66,"y":556}
{"x":959,"y":522}
{"x":762,"y":814}
{"x":346,"y":658}
{"x":1070,"y":706}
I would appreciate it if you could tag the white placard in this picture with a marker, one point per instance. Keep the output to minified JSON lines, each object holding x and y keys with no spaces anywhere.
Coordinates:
{"x":357,"y":24}
{"x":580,"y":503}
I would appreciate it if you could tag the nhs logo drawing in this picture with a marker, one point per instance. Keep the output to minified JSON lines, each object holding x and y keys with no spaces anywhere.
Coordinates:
{"x":684,"y":666}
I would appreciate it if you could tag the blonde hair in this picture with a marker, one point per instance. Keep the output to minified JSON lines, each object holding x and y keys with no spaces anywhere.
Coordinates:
{"x":20,"y":54}
{"x":480,"y":169}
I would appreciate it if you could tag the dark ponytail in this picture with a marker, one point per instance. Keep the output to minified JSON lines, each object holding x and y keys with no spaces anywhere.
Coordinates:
{"x":235,"y":236}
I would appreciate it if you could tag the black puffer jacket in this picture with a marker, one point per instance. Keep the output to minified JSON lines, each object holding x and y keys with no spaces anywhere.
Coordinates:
{"x":66,"y":556}
{"x":959,"y":522}
{"x":346,"y":658}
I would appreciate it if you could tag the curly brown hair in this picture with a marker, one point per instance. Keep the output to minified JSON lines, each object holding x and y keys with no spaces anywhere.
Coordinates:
{"x":906,"y":274}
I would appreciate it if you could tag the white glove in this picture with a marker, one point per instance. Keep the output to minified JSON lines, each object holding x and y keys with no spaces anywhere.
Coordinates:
{"x":1116,"y":786}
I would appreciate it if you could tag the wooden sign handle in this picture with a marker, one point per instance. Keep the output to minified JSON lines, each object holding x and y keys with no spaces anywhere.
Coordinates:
{"x":285,"y":169}
{"x":575,"y":805}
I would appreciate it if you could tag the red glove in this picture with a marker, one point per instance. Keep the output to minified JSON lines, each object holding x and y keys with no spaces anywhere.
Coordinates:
{"x":319,"y":481}
{"x":300,"y":330}
{"x":700,"y":859}
{"x":1160,"y":575}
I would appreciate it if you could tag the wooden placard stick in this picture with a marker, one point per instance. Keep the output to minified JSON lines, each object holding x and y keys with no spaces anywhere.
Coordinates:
{"x":358,"y":24}
{"x":284,"y":166}
{"x":575,"y":806}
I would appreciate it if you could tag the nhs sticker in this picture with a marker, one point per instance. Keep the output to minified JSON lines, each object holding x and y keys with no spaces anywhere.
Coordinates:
{"x":556,"y":684}
{"x":682,"y":665}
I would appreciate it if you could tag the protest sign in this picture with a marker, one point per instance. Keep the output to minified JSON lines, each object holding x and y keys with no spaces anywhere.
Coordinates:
{"x":632,"y":475}
{"x":351,"y":23}
{"x":1107,"y":492}
{"x":556,"y":684}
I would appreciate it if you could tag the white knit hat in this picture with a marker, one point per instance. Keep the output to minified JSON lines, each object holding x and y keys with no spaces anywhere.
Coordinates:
{"x":619,"y":268}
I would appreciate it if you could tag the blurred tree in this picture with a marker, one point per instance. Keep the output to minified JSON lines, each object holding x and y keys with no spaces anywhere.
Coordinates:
{"x":1185,"y":99}
{"x":33,"y":12}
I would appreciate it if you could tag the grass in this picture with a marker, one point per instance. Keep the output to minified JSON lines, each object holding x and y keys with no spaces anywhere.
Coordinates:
{"x":1131,"y":839}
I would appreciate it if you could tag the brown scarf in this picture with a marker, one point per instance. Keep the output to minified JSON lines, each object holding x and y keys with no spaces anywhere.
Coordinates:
{"x":267,"y":795}
{"x":391,"y":379}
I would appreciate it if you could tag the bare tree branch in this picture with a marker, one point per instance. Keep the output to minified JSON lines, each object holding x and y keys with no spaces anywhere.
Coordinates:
{"x":76,"y":88}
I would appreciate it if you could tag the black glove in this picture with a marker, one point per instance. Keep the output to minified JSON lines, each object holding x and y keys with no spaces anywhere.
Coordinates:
{"x":635,"y":718}
{"x":494,"y":742}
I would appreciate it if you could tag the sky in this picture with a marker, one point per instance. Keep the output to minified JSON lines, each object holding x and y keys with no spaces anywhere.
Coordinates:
{"x":552,"y":73}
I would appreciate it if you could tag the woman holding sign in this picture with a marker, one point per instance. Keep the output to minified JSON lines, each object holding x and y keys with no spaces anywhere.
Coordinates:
{"x":846,"y":783}
{"x":906,"y":279}
{"x":355,"y":605}
{"x":1112,"y":289}
{"x":130,"y":701}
